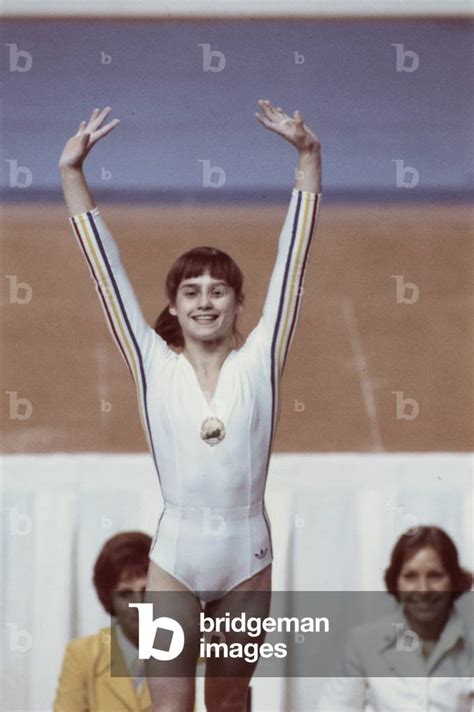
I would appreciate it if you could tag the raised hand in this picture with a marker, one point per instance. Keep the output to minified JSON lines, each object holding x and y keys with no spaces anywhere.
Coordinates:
{"x":293,"y":129}
{"x":88,"y":133}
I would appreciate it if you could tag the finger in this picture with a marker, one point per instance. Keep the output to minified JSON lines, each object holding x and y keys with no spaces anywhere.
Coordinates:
{"x":281,"y":114}
{"x":102,"y":114}
{"x":100,"y":133}
{"x":93,"y":115}
{"x":100,"y":117}
{"x":299,"y":124}
{"x":270,"y":110}
{"x":268,"y":123}
{"x":81,"y":128}
{"x":263,"y":119}
{"x":265,"y":106}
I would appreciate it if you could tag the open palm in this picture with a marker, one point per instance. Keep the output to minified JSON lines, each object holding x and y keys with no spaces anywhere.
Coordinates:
{"x":88,"y":133}
{"x":293,"y":129}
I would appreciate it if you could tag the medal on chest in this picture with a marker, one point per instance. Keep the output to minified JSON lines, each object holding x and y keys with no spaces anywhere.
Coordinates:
{"x":212,"y":430}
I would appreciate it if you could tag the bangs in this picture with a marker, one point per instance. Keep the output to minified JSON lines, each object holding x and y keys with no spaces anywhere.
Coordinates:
{"x":132,"y":571}
{"x":217,"y":264}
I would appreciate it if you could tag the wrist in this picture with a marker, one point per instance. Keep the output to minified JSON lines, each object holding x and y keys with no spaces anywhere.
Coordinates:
{"x":313,"y":150}
{"x":67,"y":170}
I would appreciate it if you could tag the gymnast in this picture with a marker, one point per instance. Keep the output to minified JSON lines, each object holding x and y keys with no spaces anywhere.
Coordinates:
{"x":209,"y":410}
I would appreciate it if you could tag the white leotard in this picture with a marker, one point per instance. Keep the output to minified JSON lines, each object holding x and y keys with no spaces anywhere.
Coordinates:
{"x":214,"y":530}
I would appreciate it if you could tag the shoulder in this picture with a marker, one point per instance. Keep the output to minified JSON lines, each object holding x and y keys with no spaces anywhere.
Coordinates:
{"x":374,"y":636}
{"x":90,"y":645}
{"x":364,"y":645}
{"x":256,"y":349}
{"x":462,"y":619}
{"x":161,"y":353}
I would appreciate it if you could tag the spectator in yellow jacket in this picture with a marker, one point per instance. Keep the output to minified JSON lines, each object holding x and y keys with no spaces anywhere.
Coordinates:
{"x":85,"y":683}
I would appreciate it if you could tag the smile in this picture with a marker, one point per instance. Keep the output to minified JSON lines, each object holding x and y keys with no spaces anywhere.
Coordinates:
{"x":204,"y":319}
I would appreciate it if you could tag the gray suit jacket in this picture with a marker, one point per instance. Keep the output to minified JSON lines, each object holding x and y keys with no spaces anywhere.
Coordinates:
{"x":384,"y":667}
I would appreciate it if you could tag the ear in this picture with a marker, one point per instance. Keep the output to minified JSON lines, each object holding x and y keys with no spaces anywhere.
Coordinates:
{"x":172,"y":311}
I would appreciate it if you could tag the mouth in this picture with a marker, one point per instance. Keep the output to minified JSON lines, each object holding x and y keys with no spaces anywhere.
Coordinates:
{"x":426,"y":604}
{"x":207,"y":319}
{"x":422,"y":604}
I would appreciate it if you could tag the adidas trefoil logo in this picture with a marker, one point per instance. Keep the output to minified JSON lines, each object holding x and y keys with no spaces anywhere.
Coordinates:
{"x":262,"y":553}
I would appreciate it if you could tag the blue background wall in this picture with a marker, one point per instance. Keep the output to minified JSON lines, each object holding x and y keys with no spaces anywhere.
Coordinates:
{"x":173,"y":114}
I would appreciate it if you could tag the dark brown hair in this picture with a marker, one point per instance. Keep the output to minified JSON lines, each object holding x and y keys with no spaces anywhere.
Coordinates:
{"x":418,"y":538}
{"x":195,"y":263}
{"x":123,"y":554}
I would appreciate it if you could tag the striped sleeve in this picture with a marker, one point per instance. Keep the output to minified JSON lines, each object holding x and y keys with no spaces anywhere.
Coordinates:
{"x":133,"y":336}
{"x":283,"y":301}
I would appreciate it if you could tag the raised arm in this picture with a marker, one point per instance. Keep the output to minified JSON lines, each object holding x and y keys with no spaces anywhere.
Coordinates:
{"x":283,"y":300}
{"x":76,"y":191}
{"x":133,"y":336}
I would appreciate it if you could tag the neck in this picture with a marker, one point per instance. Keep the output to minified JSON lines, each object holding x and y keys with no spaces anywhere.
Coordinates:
{"x":207,"y":356}
{"x":132,"y":638}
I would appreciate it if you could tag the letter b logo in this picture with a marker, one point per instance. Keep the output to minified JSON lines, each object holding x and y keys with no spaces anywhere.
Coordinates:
{"x":147,"y":628}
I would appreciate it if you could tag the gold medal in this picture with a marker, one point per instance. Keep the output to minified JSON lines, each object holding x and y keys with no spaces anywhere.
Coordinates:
{"x":212,"y":430}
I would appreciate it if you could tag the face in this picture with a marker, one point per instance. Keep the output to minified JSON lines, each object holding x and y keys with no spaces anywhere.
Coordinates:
{"x":130,"y":589}
{"x":424,"y":586}
{"x":206,"y":308}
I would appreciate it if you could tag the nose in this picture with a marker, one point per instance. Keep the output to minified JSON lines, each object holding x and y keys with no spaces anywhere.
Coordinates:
{"x":204,"y":299}
{"x":423,"y":585}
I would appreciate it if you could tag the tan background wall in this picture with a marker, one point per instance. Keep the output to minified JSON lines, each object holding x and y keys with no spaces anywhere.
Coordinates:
{"x":355,"y":345}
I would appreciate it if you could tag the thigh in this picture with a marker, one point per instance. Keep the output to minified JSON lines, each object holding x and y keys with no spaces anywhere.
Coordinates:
{"x":172,"y":599}
{"x":160,"y":580}
{"x":261,"y":581}
{"x":251,"y":597}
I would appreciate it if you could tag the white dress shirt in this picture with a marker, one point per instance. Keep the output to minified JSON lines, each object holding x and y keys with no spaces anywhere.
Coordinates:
{"x":135,"y":666}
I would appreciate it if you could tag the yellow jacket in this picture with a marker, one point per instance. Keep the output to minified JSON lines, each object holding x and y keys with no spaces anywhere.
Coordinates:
{"x":85,"y":683}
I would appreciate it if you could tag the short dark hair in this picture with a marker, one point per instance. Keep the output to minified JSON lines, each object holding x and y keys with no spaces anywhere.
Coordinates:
{"x":194,"y":263}
{"x":418,"y":538}
{"x":126,"y":553}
